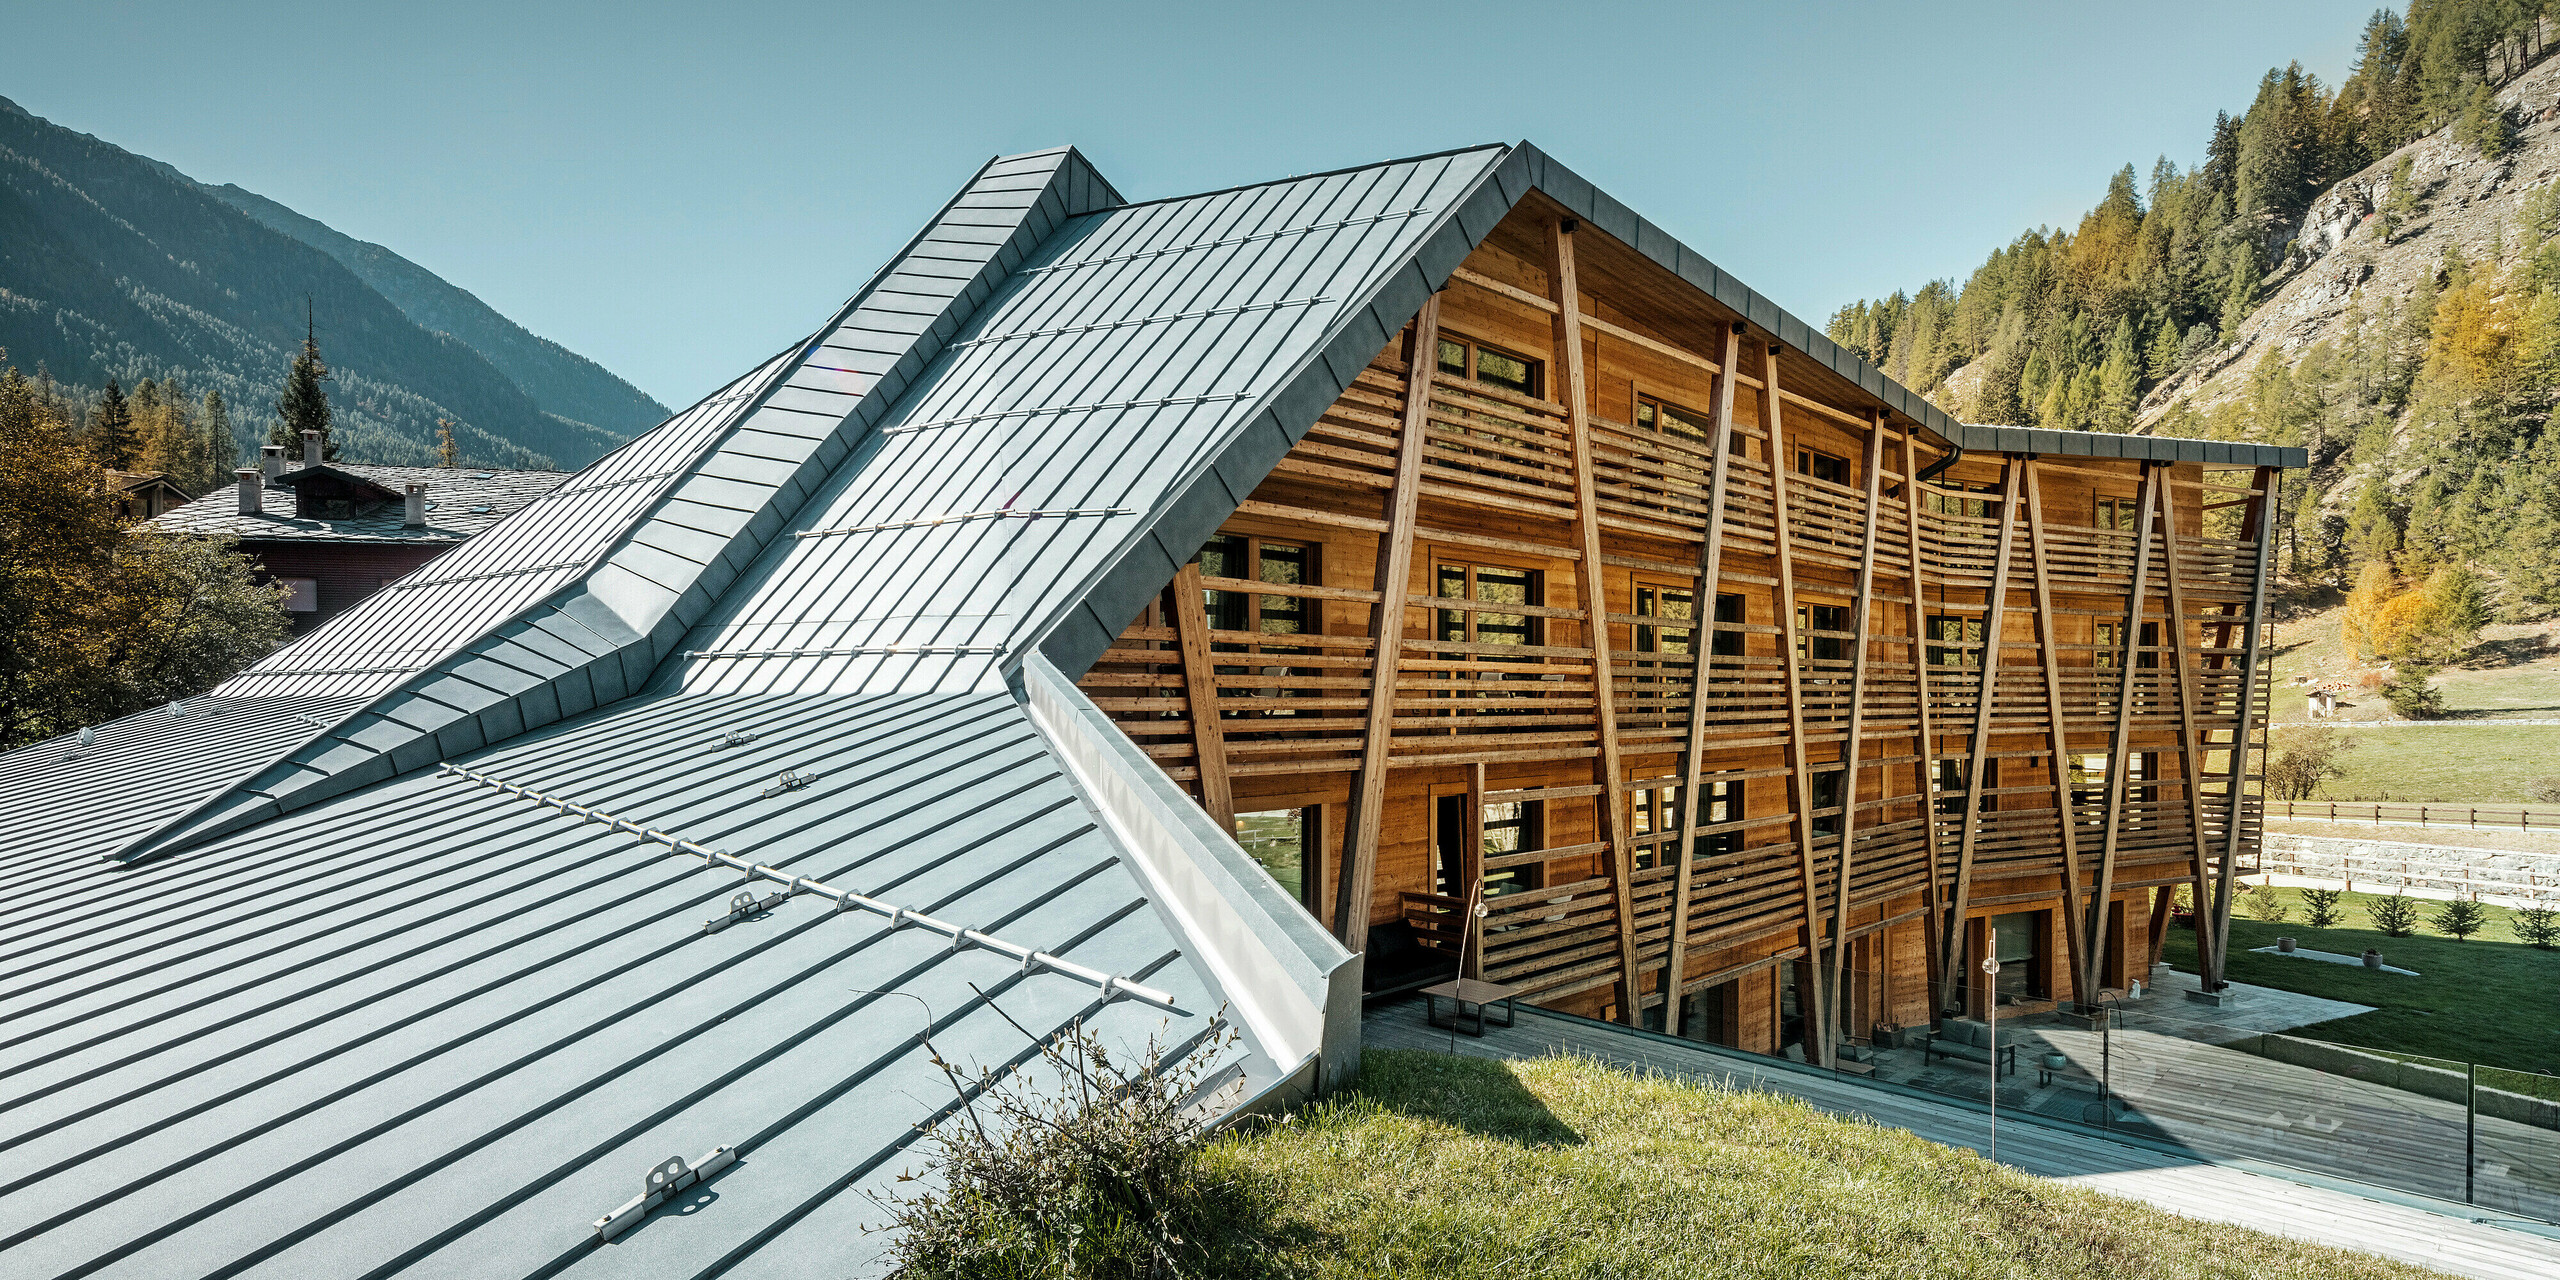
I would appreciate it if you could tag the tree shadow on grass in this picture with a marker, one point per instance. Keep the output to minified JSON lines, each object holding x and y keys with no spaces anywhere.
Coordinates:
{"x":1479,"y":1095}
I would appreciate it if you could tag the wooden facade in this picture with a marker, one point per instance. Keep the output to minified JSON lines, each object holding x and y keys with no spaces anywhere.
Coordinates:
{"x":1458,"y":638}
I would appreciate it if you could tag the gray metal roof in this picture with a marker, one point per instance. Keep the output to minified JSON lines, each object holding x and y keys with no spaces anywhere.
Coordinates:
{"x":461,"y":501}
{"x":339,"y":1013}
{"x":437,"y":1027}
{"x":1974,"y":437}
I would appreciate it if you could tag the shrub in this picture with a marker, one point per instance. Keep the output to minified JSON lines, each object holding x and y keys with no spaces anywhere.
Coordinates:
{"x":2262,"y":903}
{"x":2459,"y":918}
{"x":1097,"y":1175}
{"x":2413,"y":694}
{"x":2299,"y":760}
{"x":2545,"y":789}
{"x":2538,"y":926}
{"x":2320,"y":907}
{"x":2395,"y":915}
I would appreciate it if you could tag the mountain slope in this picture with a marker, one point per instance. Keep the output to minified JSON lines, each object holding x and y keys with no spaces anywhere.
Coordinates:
{"x":2346,"y":267}
{"x":567,"y":385}
{"x":112,"y":265}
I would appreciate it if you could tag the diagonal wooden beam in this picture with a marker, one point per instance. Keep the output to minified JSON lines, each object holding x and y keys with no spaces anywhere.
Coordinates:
{"x":2260,"y":525}
{"x":1995,"y":610}
{"x":1858,"y":615}
{"x":1702,"y":611}
{"x":1359,"y":871}
{"x":1200,"y":687}
{"x":1800,"y":775}
{"x":2173,"y":637}
{"x":2120,"y":743}
{"x":1916,"y":616}
{"x":1566,"y":293}
{"x":2057,"y":736}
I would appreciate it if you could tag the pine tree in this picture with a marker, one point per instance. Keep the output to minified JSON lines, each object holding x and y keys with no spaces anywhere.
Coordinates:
{"x":2163,"y":359}
{"x":447,"y":456}
{"x":2120,"y":379}
{"x":2483,"y":125}
{"x":110,"y":436}
{"x":221,"y":446}
{"x":304,"y":403}
{"x":2459,"y":919}
{"x":2400,"y":207}
{"x":2240,"y":296}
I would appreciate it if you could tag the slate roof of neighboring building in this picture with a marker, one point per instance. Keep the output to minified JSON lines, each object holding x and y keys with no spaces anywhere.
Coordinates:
{"x":337,"y":1011}
{"x":461,"y":501}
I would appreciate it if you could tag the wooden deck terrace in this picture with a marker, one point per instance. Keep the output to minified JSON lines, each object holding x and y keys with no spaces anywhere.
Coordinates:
{"x":1579,"y":545}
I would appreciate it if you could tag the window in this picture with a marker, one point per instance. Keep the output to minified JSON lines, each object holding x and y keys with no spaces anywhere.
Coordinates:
{"x":1509,"y":828}
{"x":1952,"y":503}
{"x":2088,"y":775}
{"x":1958,"y":642}
{"x":1727,"y":644}
{"x":1822,"y":617}
{"x":1493,"y":366}
{"x":1655,"y":812}
{"x":2018,"y":940}
{"x":2110,"y":641}
{"x":1826,"y":795}
{"x":1237,"y":557}
{"x":1663,"y":416}
{"x":1487,"y":584}
{"x":1284,"y":842}
{"x":1822,"y":466}
{"x":301,"y":595}
{"x":2116,"y":514}
{"x":1950,"y":786}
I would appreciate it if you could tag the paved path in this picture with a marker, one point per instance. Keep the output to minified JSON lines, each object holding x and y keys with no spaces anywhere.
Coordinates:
{"x":2447,"y":1237}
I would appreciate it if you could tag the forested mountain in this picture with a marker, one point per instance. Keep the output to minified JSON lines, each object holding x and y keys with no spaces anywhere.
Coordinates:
{"x":2372,"y":271}
{"x":115,"y":266}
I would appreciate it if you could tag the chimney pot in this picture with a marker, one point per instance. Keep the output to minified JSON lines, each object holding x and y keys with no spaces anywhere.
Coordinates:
{"x":251,"y":482}
{"x":414,"y":514}
{"x":311,"y":448}
{"x":271,"y":462}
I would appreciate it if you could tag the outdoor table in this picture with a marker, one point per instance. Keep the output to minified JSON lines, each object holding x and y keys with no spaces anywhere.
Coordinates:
{"x":1470,"y":998}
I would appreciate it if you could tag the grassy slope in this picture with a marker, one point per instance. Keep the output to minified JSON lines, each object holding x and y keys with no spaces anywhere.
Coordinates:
{"x":2487,"y":1000}
{"x":2483,"y":764}
{"x":1449,"y":1167}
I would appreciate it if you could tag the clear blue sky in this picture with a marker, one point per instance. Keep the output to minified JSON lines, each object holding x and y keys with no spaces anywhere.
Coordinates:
{"x":676,"y":194}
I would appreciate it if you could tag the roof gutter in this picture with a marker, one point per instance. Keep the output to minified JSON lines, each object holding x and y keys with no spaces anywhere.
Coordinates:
{"x":1955,"y":454}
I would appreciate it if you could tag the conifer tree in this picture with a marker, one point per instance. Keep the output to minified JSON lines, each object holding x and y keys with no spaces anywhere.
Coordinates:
{"x":221,"y":446}
{"x":2163,"y":358}
{"x":2401,"y":205}
{"x":110,"y":435}
{"x":304,"y":403}
{"x":2240,"y":296}
{"x":2120,"y":379}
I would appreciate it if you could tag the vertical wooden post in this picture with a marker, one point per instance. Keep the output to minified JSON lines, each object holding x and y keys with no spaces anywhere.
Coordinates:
{"x":2260,"y":524}
{"x":1916,"y":618}
{"x":2057,"y":738}
{"x":1702,"y":609}
{"x":1471,"y":873}
{"x":1995,"y":611}
{"x":2173,"y":637}
{"x":1200,"y":688}
{"x":1800,"y":776}
{"x":2119,"y":744}
{"x":1359,"y":870}
{"x":1858,"y":617}
{"x":1567,"y":294}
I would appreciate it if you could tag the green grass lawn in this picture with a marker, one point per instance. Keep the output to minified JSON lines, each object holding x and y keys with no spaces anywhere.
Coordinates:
{"x":2485,"y":764}
{"x":1447,"y":1167}
{"x":2490,"y":999}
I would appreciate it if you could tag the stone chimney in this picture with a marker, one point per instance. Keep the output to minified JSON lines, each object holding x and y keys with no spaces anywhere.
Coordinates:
{"x":311,"y":448}
{"x":414,"y":514}
{"x":251,"y":482}
{"x":271,"y":462}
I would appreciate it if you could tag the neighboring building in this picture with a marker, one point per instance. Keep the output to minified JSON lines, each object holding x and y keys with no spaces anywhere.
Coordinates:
{"x":337,"y":532}
{"x":142,"y":495}
{"x":1064,"y":549}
